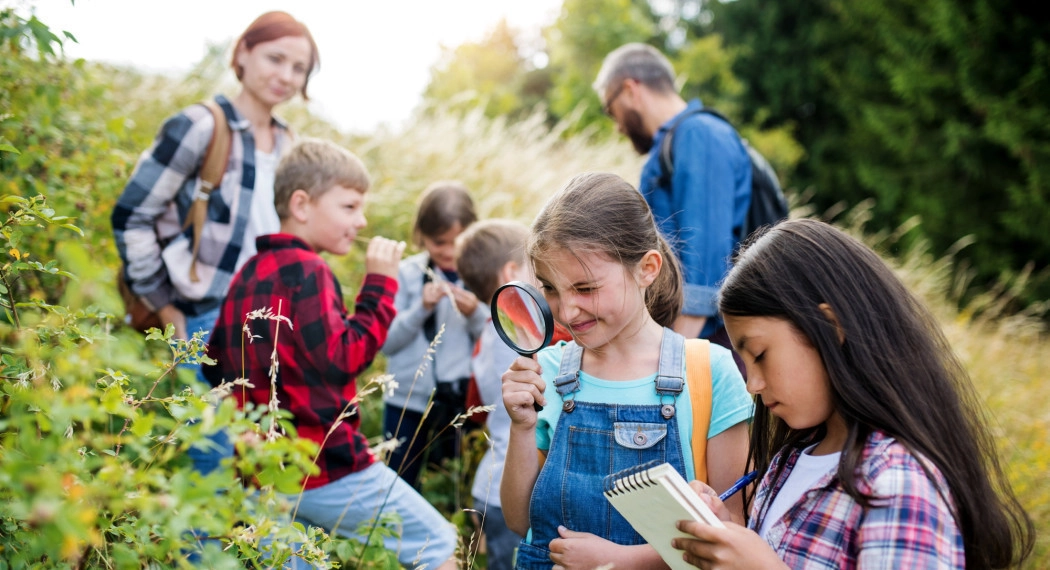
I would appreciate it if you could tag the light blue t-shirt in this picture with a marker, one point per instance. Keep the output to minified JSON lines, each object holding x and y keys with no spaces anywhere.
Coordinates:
{"x":730,"y":402}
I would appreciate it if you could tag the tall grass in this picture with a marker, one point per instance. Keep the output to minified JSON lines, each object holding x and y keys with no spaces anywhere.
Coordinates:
{"x":511,"y":169}
{"x":1008,"y":357}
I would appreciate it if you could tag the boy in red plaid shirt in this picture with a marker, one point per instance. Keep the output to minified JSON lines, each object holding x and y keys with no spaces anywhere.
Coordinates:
{"x":319,"y":196}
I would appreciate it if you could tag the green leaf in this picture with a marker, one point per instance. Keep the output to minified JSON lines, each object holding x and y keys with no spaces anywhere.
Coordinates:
{"x":143,"y":425}
{"x":112,"y":399}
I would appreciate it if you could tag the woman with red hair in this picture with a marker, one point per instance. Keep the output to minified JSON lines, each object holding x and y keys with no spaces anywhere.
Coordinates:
{"x":273,"y":60}
{"x":183,"y":281}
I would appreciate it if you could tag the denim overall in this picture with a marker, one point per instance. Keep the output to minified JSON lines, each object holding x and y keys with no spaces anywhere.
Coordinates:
{"x":592,"y":441}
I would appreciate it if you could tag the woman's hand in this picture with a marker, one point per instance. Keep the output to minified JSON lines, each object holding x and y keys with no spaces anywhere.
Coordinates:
{"x":168,"y":314}
{"x":523,"y":386}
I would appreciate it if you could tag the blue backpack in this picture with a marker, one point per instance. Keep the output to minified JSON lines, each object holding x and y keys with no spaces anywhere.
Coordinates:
{"x":768,"y":205}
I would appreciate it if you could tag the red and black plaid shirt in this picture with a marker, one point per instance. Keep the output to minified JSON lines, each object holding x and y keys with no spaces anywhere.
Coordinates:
{"x":319,"y":356}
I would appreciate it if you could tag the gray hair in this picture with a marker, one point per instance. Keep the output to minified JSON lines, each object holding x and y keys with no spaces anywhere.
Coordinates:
{"x":638,"y":61}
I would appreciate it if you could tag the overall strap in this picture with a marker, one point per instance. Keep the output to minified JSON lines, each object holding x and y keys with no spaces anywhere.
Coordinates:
{"x":698,"y":373}
{"x":567,"y":382}
{"x":669,"y":381}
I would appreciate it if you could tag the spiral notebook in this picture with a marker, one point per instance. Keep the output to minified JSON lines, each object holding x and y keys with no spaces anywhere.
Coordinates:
{"x":653,"y":497}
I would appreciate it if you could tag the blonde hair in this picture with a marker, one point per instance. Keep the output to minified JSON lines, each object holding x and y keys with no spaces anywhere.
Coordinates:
{"x":484,"y":248}
{"x":601,"y":213}
{"x":316,"y":166}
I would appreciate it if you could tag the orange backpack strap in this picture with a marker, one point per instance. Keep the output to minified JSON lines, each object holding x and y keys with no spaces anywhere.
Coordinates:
{"x":213,"y":167}
{"x":698,"y":375}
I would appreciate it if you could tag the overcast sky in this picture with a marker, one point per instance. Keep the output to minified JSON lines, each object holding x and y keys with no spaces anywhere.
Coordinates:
{"x":375,"y":54}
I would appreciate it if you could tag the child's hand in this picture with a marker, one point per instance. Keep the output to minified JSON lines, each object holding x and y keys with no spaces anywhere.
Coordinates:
{"x":433,"y":292}
{"x":466,"y":302}
{"x":383,"y":256}
{"x":583,"y":550}
{"x":523,"y":386}
{"x":710,"y":497}
{"x":725,"y":548}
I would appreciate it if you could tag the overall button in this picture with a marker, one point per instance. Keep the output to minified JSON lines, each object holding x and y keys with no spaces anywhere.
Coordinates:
{"x":667,"y":411}
{"x":639,"y":435}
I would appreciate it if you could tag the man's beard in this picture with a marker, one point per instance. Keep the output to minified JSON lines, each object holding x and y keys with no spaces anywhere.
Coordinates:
{"x":633,"y":128}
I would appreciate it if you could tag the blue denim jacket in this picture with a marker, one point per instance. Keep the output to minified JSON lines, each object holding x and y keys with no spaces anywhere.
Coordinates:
{"x":702,"y":211}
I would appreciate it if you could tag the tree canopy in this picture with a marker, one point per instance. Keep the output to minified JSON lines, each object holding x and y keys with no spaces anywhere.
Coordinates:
{"x":933,"y":108}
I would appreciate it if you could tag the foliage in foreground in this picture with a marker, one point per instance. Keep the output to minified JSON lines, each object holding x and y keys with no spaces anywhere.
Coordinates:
{"x":95,"y":421}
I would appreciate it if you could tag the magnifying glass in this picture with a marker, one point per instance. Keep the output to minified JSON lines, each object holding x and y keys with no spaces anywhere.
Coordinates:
{"x":522,"y":319}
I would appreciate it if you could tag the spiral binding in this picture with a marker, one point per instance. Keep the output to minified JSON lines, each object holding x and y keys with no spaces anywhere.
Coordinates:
{"x":630,"y":479}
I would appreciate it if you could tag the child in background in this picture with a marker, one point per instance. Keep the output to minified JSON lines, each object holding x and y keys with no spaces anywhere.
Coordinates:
{"x":319,"y":195}
{"x":489,"y":254}
{"x":613,"y":281}
{"x":430,"y":299}
{"x":870,"y":437}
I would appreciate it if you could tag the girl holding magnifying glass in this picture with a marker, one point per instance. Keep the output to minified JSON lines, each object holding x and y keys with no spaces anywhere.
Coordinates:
{"x":612,"y":280}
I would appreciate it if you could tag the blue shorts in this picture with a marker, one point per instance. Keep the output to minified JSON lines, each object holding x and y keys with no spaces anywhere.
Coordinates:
{"x":426,"y":537}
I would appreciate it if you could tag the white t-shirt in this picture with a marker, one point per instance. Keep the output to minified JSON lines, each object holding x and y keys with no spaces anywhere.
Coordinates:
{"x":262,"y":219}
{"x":807,"y":471}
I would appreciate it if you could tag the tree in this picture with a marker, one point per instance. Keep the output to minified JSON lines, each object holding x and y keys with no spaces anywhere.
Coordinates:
{"x":933,"y":108}
{"x":585,"y":31}
{"x":492,"y":74}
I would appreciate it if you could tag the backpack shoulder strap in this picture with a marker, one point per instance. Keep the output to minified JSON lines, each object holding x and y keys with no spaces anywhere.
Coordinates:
{"x":667,"y":143}
{"x":216,"y":157}
{"x":698,"y":375}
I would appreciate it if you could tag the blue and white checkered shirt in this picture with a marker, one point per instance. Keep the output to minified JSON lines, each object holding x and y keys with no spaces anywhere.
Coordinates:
{"x":149,"y":215}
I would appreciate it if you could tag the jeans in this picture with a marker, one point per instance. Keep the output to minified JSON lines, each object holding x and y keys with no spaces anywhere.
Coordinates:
{"x":359,"y":498}
{"x":207,"y":454}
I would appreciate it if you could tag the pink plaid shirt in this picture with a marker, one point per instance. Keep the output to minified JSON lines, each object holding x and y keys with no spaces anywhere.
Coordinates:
{"x":910,"y":525}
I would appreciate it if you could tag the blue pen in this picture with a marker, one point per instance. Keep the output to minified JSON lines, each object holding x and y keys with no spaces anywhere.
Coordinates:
{"x":740,"y":484}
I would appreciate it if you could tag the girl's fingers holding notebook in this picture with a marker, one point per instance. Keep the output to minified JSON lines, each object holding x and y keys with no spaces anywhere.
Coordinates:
{"x":702,"y":488}
{"x":732,"y":547}
{"x":710,"y":498}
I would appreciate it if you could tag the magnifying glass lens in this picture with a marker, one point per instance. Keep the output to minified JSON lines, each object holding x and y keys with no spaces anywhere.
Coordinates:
{"x":522,"y":317}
